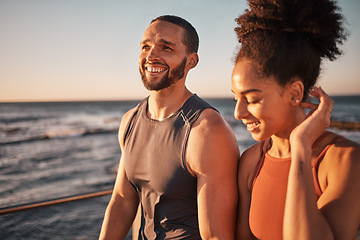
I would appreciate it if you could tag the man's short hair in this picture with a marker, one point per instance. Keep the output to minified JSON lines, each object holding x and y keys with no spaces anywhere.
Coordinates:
{"x":191,"y":38}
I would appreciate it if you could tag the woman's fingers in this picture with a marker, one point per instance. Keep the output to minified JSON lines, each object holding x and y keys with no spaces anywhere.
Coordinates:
{"x":318,"y":118}
{"x":326,"y":103}
{"x":309,"y":105}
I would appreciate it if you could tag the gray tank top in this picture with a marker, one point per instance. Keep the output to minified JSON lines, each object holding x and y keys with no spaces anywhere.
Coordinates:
{"x":155,"y":166}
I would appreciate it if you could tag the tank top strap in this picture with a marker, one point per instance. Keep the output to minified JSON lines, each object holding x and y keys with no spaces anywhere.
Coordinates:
{"x":316,"y":163}
{"x":193,"y":107}
{"x":318,"y":140}
{"x":264,"y":145}
{"x":139,"y":108}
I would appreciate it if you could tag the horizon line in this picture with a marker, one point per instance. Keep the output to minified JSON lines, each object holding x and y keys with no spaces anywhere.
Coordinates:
{"x":130,"y":99}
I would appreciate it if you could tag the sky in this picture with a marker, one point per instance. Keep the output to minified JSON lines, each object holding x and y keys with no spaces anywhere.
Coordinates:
{"x":81,"y":50}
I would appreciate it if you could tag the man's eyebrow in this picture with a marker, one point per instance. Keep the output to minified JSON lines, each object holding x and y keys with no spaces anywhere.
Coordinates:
{"x":163,"y":41}
{"x":144,"y":41}
{"x":167,"y":42}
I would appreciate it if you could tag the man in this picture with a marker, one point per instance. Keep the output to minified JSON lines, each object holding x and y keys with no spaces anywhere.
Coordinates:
{"x":179,"y":156}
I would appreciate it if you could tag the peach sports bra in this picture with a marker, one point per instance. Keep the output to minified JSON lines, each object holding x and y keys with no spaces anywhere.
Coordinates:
{"x":268,"y":191}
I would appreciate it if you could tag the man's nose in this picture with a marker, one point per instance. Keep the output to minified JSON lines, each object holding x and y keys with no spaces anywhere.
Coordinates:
{"x":152,"y":54}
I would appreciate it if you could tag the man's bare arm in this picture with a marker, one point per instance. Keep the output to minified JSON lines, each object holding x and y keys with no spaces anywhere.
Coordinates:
{"x":122,"y":208}
{"x":213,"y":155}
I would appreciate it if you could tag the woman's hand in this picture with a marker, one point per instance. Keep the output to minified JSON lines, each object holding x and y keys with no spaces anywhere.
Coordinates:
{"x":316,"y":121}
{"x":302,"y":218}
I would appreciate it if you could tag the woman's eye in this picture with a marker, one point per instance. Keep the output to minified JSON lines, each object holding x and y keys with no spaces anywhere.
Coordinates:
{"x":254,"y":101}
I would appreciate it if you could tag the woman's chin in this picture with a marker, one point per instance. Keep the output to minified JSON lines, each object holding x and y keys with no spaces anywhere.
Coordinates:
{"x":258,"y":137}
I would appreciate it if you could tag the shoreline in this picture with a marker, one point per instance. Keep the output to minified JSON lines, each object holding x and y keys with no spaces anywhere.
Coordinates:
{"x":345,"y":125}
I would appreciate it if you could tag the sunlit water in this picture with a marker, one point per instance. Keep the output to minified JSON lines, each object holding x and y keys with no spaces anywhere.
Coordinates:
{"x":55,"y":150}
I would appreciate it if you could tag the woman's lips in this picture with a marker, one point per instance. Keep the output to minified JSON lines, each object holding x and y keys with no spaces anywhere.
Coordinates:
{"x":251,"y":125}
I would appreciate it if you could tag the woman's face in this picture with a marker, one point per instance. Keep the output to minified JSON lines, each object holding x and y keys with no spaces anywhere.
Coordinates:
{"x":261,"y":103}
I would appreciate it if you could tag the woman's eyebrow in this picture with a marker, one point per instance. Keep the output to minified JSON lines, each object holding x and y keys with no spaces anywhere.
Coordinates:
{"x":250,"y":91}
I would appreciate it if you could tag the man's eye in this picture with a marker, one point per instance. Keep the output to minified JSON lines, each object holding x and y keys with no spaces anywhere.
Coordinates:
{"x":168,"y":48}
{"x":145,"y":47}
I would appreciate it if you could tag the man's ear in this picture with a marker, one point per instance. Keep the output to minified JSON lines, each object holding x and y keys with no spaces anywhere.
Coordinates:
{"x":296,"y":91}
{"x":193,"y":60}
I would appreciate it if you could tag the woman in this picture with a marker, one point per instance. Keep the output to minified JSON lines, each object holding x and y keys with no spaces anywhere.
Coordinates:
{"x":300,"y":181}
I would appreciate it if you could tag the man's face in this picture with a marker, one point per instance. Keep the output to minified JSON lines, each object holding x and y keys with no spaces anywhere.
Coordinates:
{"x":163,"y":57}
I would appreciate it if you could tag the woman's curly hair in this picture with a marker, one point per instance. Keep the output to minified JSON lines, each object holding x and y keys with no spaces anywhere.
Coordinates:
{"x":289,"y":38}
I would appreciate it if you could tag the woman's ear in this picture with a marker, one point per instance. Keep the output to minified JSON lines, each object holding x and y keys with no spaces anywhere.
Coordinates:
{"x":296,"y":91}
{"x":193,"y":60}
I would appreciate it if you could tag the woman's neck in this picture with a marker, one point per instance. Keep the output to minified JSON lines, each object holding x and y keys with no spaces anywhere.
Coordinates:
{"x":280,"y":146}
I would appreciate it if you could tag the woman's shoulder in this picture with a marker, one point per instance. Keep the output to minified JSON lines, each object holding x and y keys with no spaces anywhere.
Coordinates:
{"x":249,"y":160}
{"x":342,"y":146}
{"x":254,"y":151}
{"x":342,"y":153}
{"x":338,"y":176}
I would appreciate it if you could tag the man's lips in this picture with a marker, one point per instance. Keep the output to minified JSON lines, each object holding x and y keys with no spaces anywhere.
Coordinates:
{"x":155,"y":69}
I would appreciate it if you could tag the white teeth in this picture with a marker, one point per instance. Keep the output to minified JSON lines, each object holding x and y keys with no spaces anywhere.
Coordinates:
{"x":251,"y":125}
{"x":149,"y":69}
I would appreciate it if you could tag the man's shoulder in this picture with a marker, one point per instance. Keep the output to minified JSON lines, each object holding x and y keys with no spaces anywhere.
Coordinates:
{"x":125,"y":121}
{"x":211,"y":129}
{"x":128,"y":115}
{"x":211,"y":139}
{"x":210,"y":117}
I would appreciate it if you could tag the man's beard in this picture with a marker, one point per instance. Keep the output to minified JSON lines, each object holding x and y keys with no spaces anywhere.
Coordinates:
{"x":167,"y":80}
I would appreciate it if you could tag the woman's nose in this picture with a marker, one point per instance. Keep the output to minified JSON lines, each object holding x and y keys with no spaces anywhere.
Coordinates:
{"x":240,"y":109}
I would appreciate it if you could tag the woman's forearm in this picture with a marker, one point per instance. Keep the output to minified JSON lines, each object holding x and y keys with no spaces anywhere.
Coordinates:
{"x":302,"y":218}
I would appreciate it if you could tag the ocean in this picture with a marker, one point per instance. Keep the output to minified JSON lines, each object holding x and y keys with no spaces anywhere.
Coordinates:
{"x":51,"y":150}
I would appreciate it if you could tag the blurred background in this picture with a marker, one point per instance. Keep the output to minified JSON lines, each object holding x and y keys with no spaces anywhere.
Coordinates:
{"x":68,"y":73}
{"x":88,"y":49}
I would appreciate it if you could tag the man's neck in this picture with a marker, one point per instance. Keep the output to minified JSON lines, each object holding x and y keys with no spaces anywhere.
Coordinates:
{"x":164,"y":103}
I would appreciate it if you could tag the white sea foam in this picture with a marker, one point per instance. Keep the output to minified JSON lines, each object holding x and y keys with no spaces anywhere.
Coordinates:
{"x":50,"y":150}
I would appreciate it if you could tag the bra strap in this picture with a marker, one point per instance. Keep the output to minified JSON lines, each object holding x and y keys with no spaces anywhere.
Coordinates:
{"x":316,"y":164}
{"x":260,"y":163}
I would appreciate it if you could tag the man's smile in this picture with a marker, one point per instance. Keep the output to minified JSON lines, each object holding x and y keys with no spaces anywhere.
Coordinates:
{"x":155,"y":69}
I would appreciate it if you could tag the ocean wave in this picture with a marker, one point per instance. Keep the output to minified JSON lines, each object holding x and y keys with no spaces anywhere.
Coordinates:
{"x":53,"y":133}
{"x":22,"y":119}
